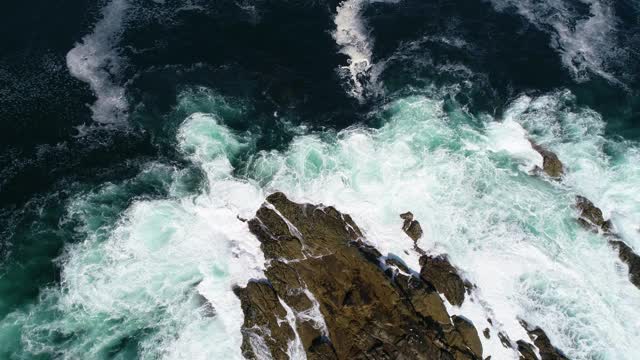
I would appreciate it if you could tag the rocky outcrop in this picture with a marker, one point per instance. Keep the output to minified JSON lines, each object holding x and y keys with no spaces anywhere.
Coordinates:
{"x":629,"y":257}
{"x":438,"y":271}
{"x":411,"y":227}
{"x":591,"y":218}
{"x":329,"y":294}
{"x":526,"y":350}
{"x":467,"y":334}
{"x":551,"y":165}
{"x":543,"y":343}
{"x":348,"y":301}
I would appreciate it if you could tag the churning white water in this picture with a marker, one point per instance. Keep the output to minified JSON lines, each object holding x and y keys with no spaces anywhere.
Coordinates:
{"x":587,"y":43}
{"x":353,"y":39}
{"x":95,"y":61}
{"x":468,"y":182}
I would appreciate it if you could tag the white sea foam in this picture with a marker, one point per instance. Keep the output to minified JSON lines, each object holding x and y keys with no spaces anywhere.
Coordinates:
{"x":295,"y":350}
{"x":96,"y":61}
{"x":314,"y":315}
{"x":586,"y":42}
{"x":511,"y":137}
{"x":512,"y":234}
{"x":353,"y":39}
{"x":606,"y":171}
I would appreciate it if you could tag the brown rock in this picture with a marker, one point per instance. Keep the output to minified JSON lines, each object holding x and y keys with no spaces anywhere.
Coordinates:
{"x":398,"y":264}
{"x":551,"y":165}
{"x":424,"y":298}
{"x":438,"y":271}
{"x":469,"y":334}
{"x":411,"y":227}
{"x":486,"y":333}
{"x":284,"y":279}
{"x":369,"y":313}
{"x":543,"y":343}
{"x":262,"y":310}
{"x":527,"y":352}
{"x":504,"y":340}
{"x":630,"y":258}
{"x":310,"y":334}
{"x":591,"y":216}
{"x":321,"y":349}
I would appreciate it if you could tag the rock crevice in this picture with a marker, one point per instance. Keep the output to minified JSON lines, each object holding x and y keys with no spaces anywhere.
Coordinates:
{"x":348,"y":300}
{"x":369,"y":307}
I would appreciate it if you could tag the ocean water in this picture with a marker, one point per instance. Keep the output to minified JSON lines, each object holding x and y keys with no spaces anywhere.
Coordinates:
{"x":134,"y":135}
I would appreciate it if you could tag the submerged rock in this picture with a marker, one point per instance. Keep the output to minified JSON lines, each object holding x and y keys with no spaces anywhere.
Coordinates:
{"x":348,"y":302}
{"x":551,"y":165}
{"x":205,"y":306}
{"x":591,"y":216}
{"x":504,"y":340}
{"x":630,"y":258}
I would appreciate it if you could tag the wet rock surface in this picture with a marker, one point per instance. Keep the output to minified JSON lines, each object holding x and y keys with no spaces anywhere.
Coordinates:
{"x":263,"y":328}
{"x":628,"y":256}
{"x":410,"y":226}
{"x":551,"y":165}
{"x":590,"y":216}
{"x":438,"y":271}
{"x":526,"y":350}
{"x":348,"y":302}
{"x":543,"y":343}
{"x":332,"y":296}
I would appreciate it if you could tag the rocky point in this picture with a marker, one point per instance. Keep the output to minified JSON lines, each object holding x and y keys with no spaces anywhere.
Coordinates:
{"x":329,"y":295}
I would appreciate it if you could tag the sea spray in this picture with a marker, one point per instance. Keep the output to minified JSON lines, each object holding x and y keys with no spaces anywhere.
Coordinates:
{"x":96,"y":62}
{"x":512,"y":234}
{"x":353,"y":39}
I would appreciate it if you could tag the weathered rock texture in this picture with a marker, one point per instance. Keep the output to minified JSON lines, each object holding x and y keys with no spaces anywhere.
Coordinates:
{"x":551,"y":165}
{"x":263,"y":325}
{"x":365,"y":307}
{"x":331,"y":295}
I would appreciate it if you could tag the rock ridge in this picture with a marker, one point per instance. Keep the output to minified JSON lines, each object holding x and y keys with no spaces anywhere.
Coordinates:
{"x":348,"y":301}
{"x":591,"y":216}
{"x":330,"y":295}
